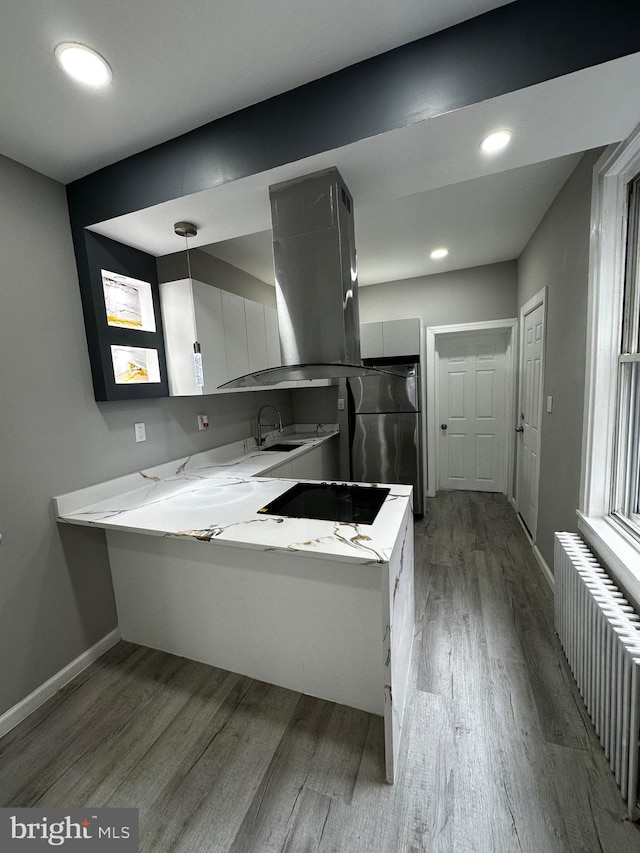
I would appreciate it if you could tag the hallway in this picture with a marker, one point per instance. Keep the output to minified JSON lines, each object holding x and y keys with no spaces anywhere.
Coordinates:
{"x":498,"y":754}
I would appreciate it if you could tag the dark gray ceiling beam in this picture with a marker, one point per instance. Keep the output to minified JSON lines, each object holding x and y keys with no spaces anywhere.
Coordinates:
{"x":514,"y":46}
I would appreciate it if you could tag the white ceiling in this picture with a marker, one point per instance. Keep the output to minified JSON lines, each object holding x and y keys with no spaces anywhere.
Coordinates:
{"x":482,"y":221}
{"x":177,"y":66}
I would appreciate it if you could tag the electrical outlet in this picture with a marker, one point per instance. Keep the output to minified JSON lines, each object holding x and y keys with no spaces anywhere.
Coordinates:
{"x":140,"y":432}
{"x":203,"y":421}
{"x":340,"y":404}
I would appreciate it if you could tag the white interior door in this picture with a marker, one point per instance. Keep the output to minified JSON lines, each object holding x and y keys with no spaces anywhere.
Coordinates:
{"x":530,"y":414}
{"x":472,"y":412}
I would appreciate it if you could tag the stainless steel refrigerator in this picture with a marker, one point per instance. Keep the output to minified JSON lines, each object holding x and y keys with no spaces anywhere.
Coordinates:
{"x":385,"y":435}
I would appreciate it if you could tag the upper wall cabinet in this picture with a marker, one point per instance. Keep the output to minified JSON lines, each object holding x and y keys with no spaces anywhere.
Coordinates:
{"x":234,"y":336}
{"x":390,"y":338}
{"x":234,"y":317}
{"x":256,"y":335}
{"x":192,"y":314}
{"x":371,"y":345}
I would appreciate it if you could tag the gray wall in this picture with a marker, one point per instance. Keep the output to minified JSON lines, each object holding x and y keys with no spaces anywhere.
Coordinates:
{"x":56,"y":598}
{"x":464,"y":296}
{"x":557,"y":257}
{"x":315,"y":405}
{"x":210,"y":270}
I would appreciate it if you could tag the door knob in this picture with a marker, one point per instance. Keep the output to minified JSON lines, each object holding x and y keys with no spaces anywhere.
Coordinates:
{"x":443,"y":426}
{"x":519,"y":429}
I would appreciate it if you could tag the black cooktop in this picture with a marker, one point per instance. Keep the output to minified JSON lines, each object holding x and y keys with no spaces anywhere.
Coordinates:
{"x":330,"y":502}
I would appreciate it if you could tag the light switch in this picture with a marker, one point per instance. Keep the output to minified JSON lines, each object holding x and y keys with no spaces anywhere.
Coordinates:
{"x":140,"y":432}
{"x":549,"y":405}
{"x":203,"y":422}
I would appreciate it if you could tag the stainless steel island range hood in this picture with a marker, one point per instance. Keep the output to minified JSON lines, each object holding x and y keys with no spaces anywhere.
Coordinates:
{"x":316,"y":282}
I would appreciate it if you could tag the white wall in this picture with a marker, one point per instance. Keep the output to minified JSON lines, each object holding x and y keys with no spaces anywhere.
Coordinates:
{"x":481,"y":293}
{"x":56,"y":597}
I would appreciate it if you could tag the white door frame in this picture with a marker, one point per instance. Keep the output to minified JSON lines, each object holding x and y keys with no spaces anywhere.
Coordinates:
{"x":540,"y":298}
{"x":510,"y":326}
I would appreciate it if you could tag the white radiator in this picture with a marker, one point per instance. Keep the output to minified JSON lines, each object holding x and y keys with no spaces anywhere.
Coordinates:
{"x":600,"y":634}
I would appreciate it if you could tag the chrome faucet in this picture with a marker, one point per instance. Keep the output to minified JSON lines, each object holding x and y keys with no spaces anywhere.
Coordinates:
{"x":259,"y":437}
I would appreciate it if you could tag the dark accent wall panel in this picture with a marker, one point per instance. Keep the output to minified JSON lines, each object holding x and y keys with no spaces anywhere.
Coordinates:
{"x":105,"y":254}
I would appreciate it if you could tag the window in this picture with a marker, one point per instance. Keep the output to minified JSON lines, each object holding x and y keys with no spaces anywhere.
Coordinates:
{"x":609,"y":511}
{"x":625,"y":499}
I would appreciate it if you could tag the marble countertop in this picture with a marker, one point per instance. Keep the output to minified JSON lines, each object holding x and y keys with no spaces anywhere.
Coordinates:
{"x":215,"y":497}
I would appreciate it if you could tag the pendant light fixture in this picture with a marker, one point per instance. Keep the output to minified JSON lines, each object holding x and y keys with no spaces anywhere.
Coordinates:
{"x":186,"y":230}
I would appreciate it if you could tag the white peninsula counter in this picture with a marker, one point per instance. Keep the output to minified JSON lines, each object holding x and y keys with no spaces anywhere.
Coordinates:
{"x":321,"y":607}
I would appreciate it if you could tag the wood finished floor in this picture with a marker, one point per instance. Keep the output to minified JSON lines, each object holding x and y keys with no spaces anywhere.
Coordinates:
{"x":498,"y":753}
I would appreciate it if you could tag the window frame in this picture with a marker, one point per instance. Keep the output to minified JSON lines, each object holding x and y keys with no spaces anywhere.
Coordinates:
{"x":617,"y":546}
{"x":624,"y":492}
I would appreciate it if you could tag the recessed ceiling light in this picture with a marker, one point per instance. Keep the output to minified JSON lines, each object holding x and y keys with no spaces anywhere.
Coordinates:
{"x":439,"y":253}
{"x":496,"y":141}
{"x":83,"y":64}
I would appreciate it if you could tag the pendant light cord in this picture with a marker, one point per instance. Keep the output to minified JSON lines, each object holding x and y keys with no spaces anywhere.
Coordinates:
{"x":186,"y":230}
{"x":186,"y":239}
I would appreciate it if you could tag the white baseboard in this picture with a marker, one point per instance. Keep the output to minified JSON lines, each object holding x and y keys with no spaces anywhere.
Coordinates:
{"x":30,"y":703}
{"x":546,"y":571}
{"x":523,"y":526}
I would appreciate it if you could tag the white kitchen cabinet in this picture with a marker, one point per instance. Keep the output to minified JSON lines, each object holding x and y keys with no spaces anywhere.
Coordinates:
{"x":235,"y":333}
{"x":331,"y":459}
{"x":256,"y":335}
{"x":389,"y":338}
{"x":283,"y":470}
{"x":321,"y":462}
{"x":401,"y":337}
{"x":309,"y":465}
{"x":236,"y":336}
{"x":371,"y":345}
{"x":192,"y":311}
